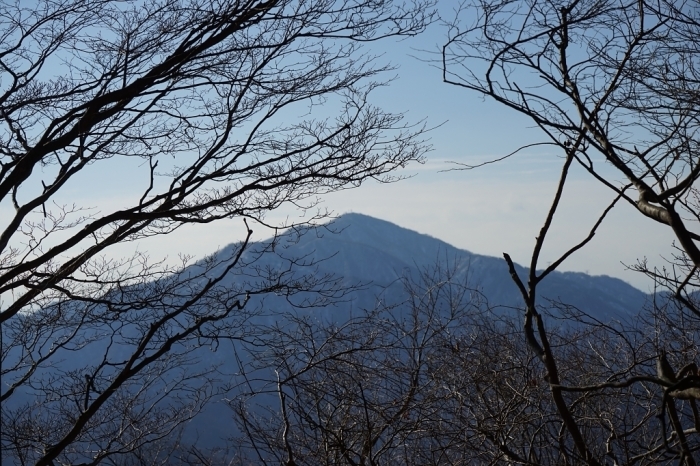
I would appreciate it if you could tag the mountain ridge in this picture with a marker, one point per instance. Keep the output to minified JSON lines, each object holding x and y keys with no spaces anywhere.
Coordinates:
{"x":351,"y":217}
{"x":363,"y":248}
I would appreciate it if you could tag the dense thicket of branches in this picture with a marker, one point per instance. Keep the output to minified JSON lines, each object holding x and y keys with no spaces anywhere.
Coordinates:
{"x":360,"y":390}
{"x":193,"y":107}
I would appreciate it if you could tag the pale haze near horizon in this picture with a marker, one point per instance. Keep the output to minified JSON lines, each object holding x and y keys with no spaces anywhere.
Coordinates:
{"x":490,"y":210}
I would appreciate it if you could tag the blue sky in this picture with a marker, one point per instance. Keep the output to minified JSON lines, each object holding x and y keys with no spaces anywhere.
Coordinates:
{"x":494,"y":209}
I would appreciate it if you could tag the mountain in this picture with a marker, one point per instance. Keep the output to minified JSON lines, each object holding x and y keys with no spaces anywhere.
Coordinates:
{"x":358,"y":249}
{"x":376,"y":253}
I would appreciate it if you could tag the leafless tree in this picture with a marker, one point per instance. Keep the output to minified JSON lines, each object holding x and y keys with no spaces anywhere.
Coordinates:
{"x":613,"y":86}
{"x":194,"y":107}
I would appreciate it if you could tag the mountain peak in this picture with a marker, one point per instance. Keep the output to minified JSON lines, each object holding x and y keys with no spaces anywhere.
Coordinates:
{"x":408,"y":245}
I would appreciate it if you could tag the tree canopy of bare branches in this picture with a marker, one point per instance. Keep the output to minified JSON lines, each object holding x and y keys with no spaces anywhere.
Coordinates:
{"x":193,"y":111}
{"x":613,"y":86}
